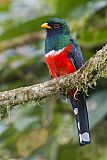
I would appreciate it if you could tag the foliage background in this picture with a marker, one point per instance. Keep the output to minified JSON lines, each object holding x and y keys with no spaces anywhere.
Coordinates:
{"x":46,"y":130}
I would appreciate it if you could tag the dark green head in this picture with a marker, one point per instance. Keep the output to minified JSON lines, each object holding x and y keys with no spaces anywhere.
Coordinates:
{"x":56,"y":26}
{"x":58,"y":34}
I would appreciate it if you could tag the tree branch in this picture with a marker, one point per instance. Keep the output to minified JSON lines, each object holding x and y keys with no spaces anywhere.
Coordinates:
{"x":81,"y":80}
{"x":20,"y":41}
{"x":32,"y":38}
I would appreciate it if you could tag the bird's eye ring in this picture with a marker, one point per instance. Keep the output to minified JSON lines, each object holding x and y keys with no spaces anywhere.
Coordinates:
{"x":56,"y":25}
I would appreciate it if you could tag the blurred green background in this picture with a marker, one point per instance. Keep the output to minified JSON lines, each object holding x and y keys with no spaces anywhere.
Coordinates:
{"x":46,"y":130}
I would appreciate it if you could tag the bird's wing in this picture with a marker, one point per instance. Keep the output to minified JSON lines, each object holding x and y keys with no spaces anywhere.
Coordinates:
{"x":75,"y":55}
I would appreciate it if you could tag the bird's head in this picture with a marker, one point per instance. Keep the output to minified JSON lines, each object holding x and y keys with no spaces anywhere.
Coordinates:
{"x":56,"y":26}
{"x":58,"y":34}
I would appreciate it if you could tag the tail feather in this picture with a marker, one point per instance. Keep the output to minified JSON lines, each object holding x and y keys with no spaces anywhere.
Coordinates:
{"x":80,"y":111}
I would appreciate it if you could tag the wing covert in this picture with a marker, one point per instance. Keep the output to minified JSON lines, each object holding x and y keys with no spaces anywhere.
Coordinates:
{"x":75,"y":57}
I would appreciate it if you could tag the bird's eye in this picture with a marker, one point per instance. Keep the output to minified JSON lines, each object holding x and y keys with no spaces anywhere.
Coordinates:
{"x":56,"y":25}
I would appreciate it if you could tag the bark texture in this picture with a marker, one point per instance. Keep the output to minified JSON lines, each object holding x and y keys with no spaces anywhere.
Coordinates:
{"x":81,"y":80}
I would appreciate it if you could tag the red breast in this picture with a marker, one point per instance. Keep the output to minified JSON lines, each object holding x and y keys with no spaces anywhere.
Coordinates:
{"x":59,"y":63}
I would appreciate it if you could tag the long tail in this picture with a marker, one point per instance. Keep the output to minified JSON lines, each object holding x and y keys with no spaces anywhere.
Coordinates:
{"x":80,"y":111}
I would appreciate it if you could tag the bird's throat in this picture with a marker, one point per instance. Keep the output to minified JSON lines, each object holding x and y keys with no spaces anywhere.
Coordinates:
{"x":56,"y":42}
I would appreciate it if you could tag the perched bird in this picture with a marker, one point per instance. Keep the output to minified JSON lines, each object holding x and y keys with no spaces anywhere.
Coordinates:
{"x":63,"y":56}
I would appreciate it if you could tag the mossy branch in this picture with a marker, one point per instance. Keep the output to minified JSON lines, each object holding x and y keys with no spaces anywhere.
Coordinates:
{"x":81,"y":80}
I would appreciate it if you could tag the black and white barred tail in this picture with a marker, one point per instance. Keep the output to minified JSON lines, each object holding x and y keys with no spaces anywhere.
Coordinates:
{"x":80,"y":111}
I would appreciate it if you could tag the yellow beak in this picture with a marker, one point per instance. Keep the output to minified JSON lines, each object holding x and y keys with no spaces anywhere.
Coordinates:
{"x":45,"y":25}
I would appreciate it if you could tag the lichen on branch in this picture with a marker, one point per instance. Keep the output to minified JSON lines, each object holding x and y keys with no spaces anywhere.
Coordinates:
{"x":81,"y":80}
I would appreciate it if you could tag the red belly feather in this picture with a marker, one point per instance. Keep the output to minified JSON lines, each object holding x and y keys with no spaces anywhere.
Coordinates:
{"x":60,"y":64}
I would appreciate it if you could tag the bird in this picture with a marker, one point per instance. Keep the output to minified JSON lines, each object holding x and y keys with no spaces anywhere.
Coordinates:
{"x":63,"y":56}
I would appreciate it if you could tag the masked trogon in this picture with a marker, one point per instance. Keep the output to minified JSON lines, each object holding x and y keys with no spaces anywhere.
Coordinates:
{"x":63,"y":56}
